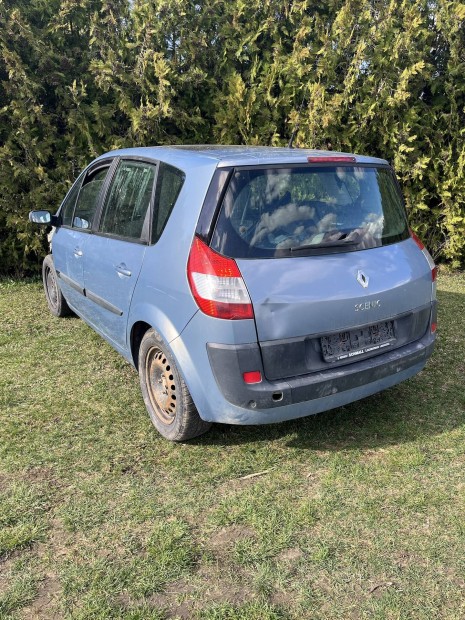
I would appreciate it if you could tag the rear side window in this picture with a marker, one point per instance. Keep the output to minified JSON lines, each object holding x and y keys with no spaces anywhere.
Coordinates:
{"x":126,"y":209}
{"x":273,"y":212}
{"x":169,"y":183}
{"x":88,"y":198}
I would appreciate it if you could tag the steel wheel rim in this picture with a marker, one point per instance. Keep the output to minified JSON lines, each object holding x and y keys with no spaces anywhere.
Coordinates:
{"x":161,"y":385}
{"x":52,"y":291}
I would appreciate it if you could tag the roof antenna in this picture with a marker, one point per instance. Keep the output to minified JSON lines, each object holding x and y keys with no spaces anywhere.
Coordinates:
{"x":296,"y":128}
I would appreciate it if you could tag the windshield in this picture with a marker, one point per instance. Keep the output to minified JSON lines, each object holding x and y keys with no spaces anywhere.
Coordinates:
{"x":275,"y":212}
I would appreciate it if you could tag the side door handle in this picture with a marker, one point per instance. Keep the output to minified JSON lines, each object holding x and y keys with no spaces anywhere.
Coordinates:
{"x":122,"y":270}
{"x":77,"y":252}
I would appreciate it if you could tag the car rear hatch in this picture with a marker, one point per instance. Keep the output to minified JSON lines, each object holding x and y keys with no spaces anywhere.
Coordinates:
{"x":328,"y":261}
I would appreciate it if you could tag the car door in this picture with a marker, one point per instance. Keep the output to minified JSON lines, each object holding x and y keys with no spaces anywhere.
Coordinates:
{"x":76,"y":223}
{"x":114,"y":256}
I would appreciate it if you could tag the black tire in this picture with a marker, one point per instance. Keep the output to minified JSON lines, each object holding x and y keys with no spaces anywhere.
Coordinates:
{"x":56,"y":302}
{"x":165,"y":393}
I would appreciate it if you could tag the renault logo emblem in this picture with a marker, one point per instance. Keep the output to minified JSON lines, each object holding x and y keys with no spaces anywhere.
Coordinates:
{"x":362,"y":279}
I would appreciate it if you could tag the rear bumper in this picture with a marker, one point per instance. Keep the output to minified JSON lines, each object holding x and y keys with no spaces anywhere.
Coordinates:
{"x":273,"y":401}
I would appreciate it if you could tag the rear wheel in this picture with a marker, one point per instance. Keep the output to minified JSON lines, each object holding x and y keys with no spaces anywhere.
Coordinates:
{"x":165,"y":393}
{"x":56,"y":302}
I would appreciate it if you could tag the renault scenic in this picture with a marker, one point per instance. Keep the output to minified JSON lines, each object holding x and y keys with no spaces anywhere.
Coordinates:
{"x":247,"y":285}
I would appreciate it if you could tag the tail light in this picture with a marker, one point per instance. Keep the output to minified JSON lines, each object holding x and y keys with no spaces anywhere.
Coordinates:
{"x":421,"y":245}
{"x":216,"y":284}
{"x":417,"y":240}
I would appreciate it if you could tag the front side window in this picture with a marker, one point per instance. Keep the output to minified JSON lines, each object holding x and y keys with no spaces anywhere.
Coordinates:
{"x":273,"y":212}
{"x":126,"y":209}
{"x":88,"y":198}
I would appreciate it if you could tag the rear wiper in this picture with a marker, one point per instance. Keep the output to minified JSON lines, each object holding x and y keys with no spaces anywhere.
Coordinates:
{"x":325,"y":244}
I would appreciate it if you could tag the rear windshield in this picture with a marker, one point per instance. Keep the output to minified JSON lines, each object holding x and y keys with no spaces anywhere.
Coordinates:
{"x":277,"y":212}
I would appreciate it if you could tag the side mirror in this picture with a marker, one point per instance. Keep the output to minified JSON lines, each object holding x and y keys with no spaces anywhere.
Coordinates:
{"x":40,"y":217}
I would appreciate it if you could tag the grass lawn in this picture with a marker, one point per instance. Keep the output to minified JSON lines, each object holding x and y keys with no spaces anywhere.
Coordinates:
{"x":360,"y":514}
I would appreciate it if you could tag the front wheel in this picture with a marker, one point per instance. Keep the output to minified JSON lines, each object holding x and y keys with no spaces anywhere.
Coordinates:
{"x":56,"y":302}
{"x":165,"y":393}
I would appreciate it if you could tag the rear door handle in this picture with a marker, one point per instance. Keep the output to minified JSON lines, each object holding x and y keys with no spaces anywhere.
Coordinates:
{"x":122,"y":270}
{"x":77,"y":252}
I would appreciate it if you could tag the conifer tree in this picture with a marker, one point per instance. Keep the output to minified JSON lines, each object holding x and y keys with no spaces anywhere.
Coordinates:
{"x":382,"y":77}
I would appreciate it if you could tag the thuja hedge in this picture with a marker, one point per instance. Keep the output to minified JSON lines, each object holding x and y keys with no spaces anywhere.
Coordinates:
{"x":79,"y":77}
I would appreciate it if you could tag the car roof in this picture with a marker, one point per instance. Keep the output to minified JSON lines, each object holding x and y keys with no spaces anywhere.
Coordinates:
{"x":184,"y":155}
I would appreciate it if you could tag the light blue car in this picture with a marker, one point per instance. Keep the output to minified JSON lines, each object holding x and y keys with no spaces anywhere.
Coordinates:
{"x":247,"y":285}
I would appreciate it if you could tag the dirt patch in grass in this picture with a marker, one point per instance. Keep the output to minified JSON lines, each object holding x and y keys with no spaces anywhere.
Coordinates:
{"x":40,"y":474}
{"x":60,"y":542}
{"x":183,"y":598}
{"x":290,"y":556}
{"x":283,"y":599}
{"x":227,"y":536}
{"x":226,"y":586}
{"x":6,"y":563}
{"x":174,"y":600}
{"x":210,"y":585}
{"x":43,"y":607}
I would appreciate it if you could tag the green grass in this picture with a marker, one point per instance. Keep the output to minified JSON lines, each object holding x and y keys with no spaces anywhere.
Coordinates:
{"x":361,"y":513}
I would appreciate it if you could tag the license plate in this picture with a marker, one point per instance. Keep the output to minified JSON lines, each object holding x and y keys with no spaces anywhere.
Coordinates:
{"x":353,"y":343}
